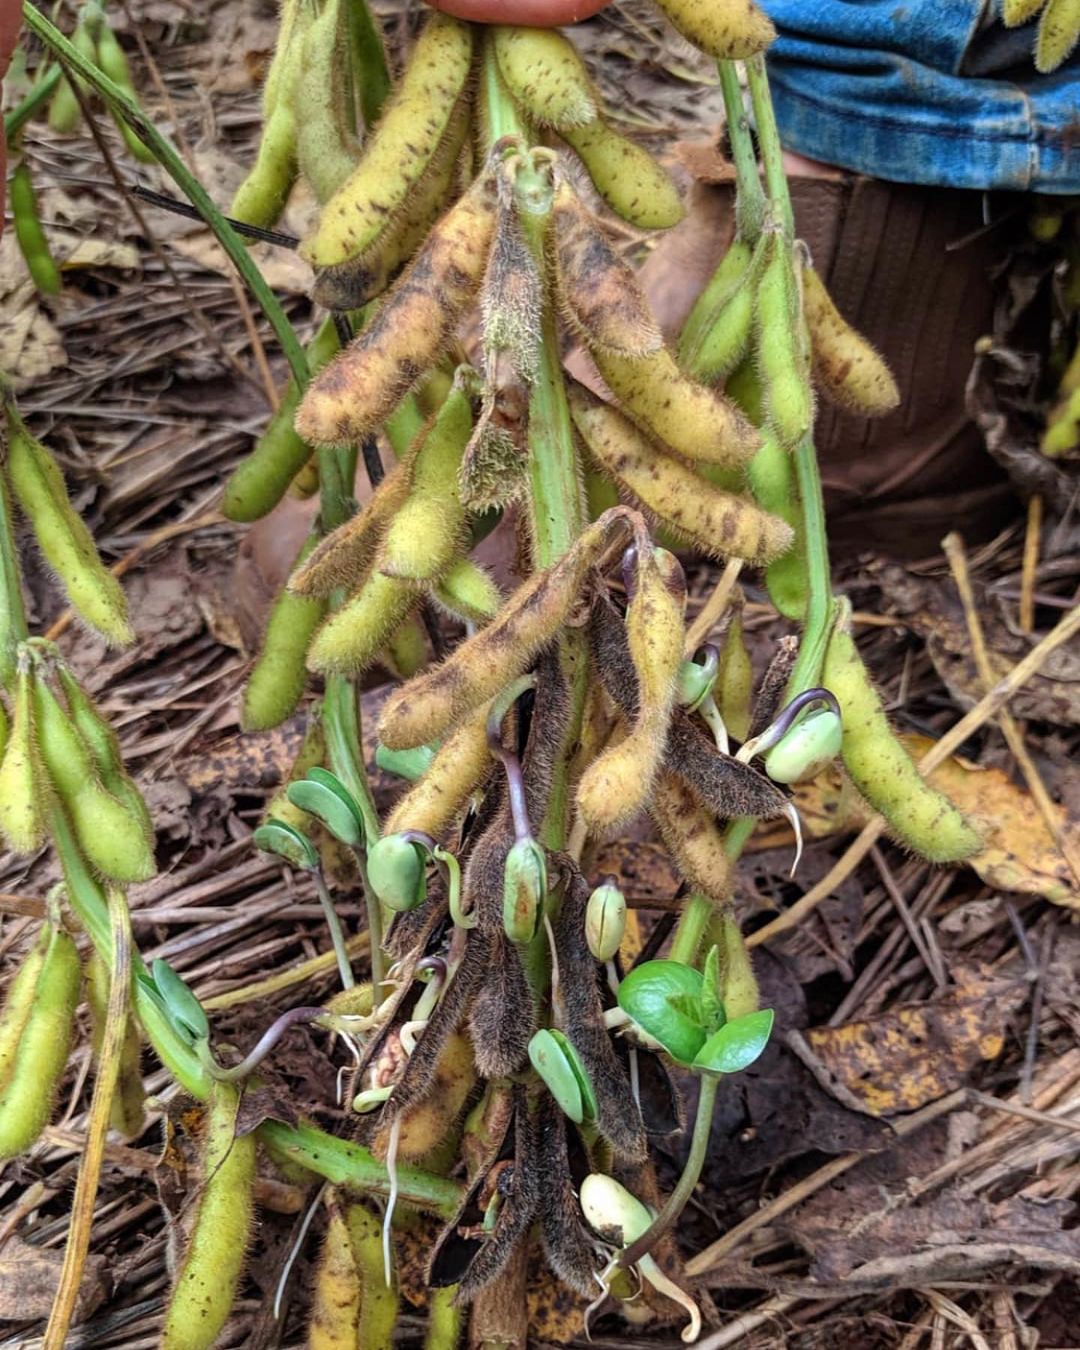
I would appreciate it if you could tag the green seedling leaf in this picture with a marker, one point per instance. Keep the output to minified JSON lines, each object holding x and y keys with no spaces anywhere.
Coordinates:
{"x":407,"y":764}
{"x":182,"y":1008}
{"x":559,"y":1065}
{"x":288,"y":843}
{"x":323,"y":796}
{"x":663,"y":998}
{"x":736,"y":1045}
{"x":397,"y":872}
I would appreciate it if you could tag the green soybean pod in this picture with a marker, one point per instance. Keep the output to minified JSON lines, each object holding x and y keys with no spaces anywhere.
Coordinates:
{"x":731,"y":273}
{"x":22,"y":788}
{"x":62,"y":537}
{"x":112,"y":838}
{"x":879,"y":766}
{"x":259,"y":482}
{"x":112,"y":61}
{"x":772,"y":482}
{"x":210,"y":1271}
{"x":18,"y":1005}
{"x":27,"y":1098}
{"x":5,"y":730}
{"x":104,"y":747}
{"x":64,"y":111}
{"x":30,"y":235}
{"x":378,"y":1300}
{"x":326,"y":150}
{"x":277,"y":679}
{"x":782,"y":355}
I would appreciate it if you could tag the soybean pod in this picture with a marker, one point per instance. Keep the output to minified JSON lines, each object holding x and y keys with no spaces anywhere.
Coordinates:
{"x":208,"y":1276}
{"x":23,"y":786}
{"x":879,"y":766}
{"x":276,"y":682}
{"x":18,"y":1004}
{"x":32,"y":242}
{"x":113,"y":62}
{"x":27,"y":1097}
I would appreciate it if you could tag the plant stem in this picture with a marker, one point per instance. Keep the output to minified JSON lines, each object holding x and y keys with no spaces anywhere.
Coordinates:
{"x":697,"y":913}
{"x":676,"y":1201}
{"x":13,"y":629}
{"x":749,"y":195}
{"x":40,"y":92}
{"x":499,"y":114}
{"x":143,"y":126}
{"x":772,"y":154}
{"x":818,"y":621}
{"x":337,"y":937}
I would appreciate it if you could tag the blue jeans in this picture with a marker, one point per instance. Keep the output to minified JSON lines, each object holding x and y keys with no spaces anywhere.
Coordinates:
{"x":924,"y":91}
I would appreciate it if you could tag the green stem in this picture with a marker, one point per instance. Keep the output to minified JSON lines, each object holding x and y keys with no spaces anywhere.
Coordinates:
{"x":818,"y":622}
{"x":143,"y":126}
{"x":749,"y":194}
{"x":697,"y":914}
{"x":40,"y":93}
{"x":337,"y":937}
{"x":13,"y":629}
{"x":772,"y":153}
{"x":499,"y":114}
{"x":677,"y":1200}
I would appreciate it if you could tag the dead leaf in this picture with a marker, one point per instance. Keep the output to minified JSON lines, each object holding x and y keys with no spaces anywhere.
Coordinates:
{"x":29,"y":1277}
{"x":282,"y":269}
{"x":917,"y":1052}
{"x":30,"y":345}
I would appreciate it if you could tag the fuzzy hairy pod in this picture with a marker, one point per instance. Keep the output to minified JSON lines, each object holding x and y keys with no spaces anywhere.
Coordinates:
{"x":735,"y":680}
{"x":882,"y":770}
{"x":64,"y":111}
{"x":104,"y":747}
{"x":738,"y":983}
{"x":23,"y":786}
{"x":350,"y":640}
{"x":19,"y":1003}
{"x":208,"y":1276}
{"x":378,"y":1300}
{"x":400,"y":148}
{"x":491,"y":658}
{"x":616,"y":785}
{"x":717,"y":522}
{"x":772,"y":480}
{"x":846,"y":367}
{"x":351,"y":284}
{"x":260,"y":481}
{"x":1016,"y":12}
{"x":502,"y":1018}
{"x":460,"y":766}
{"x":343,"y":559}
{"x":468,"y":592}
{"x":599,"y":293}
{"x":730,"y":30}
{"x":427,"y":531}
{"x":628,"y":178}
{"x":546,"y":75}
{"x":65,"y":541}
{"x":1059,"y":28}
{"x":731,"y":274}
{"x":126,"y":1114}
{"x":782,"y":346}
{"x":568,"y":1252}
{"x":276,"y":683}
{"x":335,"y":1305}
{"x":361,"y":387}
{"x":511,"y":303}
{"x":110,"y":834}
{"x":27,"y":1097}
{"x":426,"y":1123}
{"x":770,"y":692}
{"x":691,"y":836}
{"x":727,"y":339}
{"x":326,"y":149}
{"x":697,"y":422}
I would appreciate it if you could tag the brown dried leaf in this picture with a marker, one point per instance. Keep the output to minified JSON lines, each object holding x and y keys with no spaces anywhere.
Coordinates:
{"x":29,"y":1277}
{"x":917,"y":1052}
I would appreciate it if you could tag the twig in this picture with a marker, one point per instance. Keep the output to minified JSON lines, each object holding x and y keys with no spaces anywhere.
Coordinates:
{"x":713,"y":609}
{"x":953,"y":546}
{"x":274,"y":984}
{"x":1032,"y":539}
{"x":1026,"y":1112}
{"x":986,"y":708}
{"x":108,"y":1073}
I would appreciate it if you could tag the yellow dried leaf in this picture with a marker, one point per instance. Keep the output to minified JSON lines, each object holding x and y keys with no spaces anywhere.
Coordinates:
{"x":917,"y":1052}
